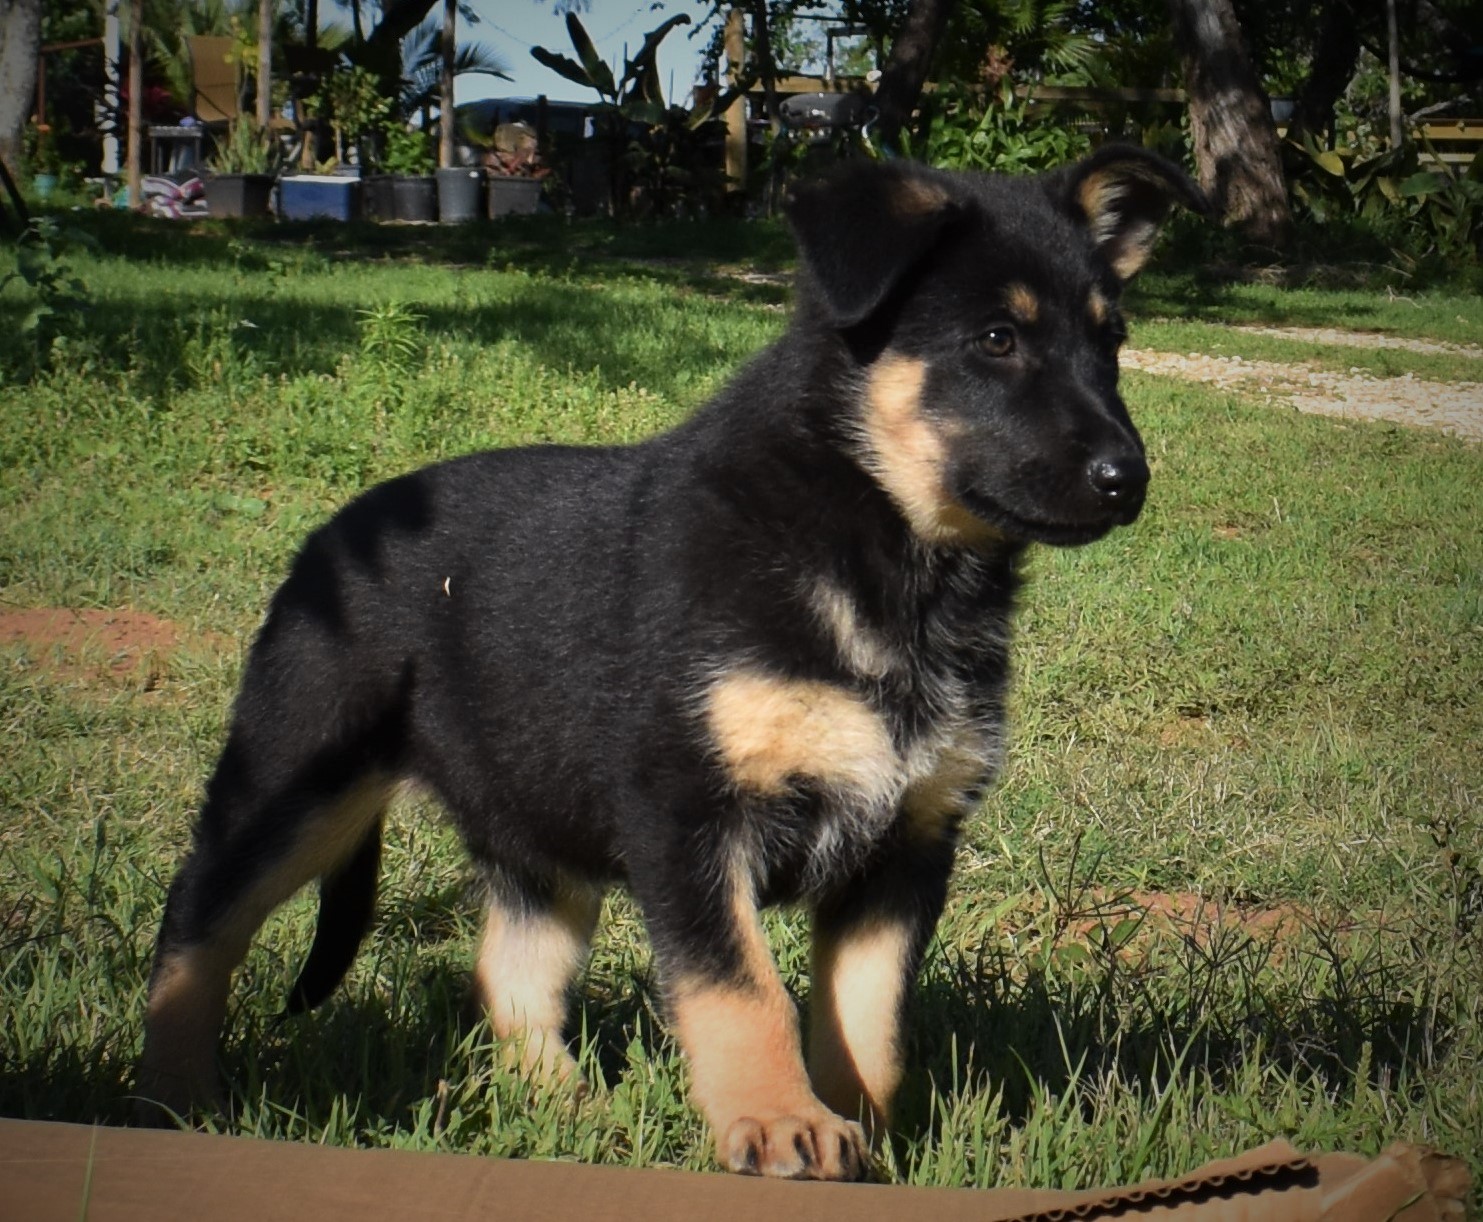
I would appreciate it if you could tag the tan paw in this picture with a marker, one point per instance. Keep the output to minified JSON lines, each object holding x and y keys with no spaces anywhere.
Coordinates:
{"x":543,"y":1057}
{"x":822,"y":1146}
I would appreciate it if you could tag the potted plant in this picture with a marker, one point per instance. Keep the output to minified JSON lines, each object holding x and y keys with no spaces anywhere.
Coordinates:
{"x":409,"y":159}
{"x":515,"y":170}
{"x":350,"y":100}
{"x":240,"y":173}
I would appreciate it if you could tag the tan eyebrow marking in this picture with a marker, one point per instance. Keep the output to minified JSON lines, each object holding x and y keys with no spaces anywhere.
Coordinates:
{"x":1098,"y":306}
{"x":1024,"y":306}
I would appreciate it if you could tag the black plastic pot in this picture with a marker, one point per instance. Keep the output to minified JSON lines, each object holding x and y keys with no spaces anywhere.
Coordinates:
{"x":379,"y":197}
{"x":513,"y":196}
{"x":416,"y":197}
{"x":460,"y":195}
{"x":240,"y":195}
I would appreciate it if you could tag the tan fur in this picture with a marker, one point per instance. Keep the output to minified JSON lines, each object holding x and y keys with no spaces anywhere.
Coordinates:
{"x":858,"y":646}
{"x":1024,"y":306}
{"x":187,"y":1004}
{"x":944,"y":773}
{"x":525,"y":967}
{"x":772,"y":732}
{"x":746,"y":1065}
{"x":188,"y":997}
{"x":1098,"y":307}
{"x":910,"y":199}
{"x":907,"y":454}
{"x":855,"y":1052}
{"x":1098,"y":196}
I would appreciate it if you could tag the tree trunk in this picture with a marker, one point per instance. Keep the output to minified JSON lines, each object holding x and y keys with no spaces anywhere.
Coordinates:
{"x":1393,"y":49}
{"x":1231,"y":123}
{"x":136,"y":104}
{"x":445,"y":92}
{"x":20,"y":44}
{"x":766,"y":68}
{"x":907,"y":66}
{"x":264,"y":62}
{"x":1335,"y":55}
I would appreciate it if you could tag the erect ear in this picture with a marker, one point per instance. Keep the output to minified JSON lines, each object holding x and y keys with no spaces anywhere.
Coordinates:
{"x":1122,"y":193}
{"x":861,"y":228}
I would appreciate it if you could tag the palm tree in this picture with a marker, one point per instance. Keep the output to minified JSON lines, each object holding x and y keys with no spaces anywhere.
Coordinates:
{"x":422,"y":67}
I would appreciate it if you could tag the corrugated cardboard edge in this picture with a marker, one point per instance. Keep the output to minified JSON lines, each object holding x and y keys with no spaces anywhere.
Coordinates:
{"x":60,"y":1171}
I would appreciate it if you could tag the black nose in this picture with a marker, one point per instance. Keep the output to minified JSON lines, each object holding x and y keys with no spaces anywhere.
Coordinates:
{"x":1120,"y":481}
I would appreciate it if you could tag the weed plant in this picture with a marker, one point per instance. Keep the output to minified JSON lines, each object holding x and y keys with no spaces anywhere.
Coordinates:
{"x":1228,"y":889}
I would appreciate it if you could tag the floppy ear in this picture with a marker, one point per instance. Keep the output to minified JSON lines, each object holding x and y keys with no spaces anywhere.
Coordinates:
{"x":861,"y":228}
{"x":1122,"y":193}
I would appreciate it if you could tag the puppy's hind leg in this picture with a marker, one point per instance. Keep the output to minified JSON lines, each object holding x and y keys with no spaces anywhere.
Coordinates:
{"x":537,"y":932}
{"x":256,"y":843}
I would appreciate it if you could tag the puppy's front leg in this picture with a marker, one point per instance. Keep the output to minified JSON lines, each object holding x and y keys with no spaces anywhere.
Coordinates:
{"x":739,"y":1029}
{"x":868,"y":944}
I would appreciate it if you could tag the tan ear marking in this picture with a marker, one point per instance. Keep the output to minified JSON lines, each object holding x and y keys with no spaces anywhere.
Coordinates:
{"x":1098,"y":196}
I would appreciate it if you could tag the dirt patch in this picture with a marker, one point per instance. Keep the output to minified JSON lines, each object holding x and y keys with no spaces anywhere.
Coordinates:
{"x":1193,"y":914}
{"x":91,"y":644}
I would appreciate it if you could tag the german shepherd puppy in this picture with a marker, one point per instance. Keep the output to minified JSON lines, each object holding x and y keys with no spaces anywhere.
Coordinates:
{"x":758,"y":659}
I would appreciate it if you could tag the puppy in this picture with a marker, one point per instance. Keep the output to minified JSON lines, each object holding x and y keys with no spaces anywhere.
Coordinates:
{"x":758,"y":659}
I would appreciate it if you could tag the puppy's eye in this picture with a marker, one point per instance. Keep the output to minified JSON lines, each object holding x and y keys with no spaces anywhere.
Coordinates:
{"x":997,"y":341}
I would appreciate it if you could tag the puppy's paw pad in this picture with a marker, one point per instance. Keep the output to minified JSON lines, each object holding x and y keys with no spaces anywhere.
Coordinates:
{"x":819,"y":1147}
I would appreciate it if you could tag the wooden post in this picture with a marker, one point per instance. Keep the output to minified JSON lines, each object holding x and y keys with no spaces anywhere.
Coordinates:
{"x":445,"y":122}
{"x":136,"y":104}
{"x":264,"y":62}
{"x":736,"y":113}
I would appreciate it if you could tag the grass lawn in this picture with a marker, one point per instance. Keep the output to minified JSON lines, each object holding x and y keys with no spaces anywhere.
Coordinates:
{"x":1228,"y":890}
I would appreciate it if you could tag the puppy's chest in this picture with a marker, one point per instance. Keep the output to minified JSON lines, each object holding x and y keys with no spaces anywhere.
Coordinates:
{"x":898,"y":738}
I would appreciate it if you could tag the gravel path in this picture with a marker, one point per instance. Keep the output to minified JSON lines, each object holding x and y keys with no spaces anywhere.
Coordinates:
{"x":1455,"y":408}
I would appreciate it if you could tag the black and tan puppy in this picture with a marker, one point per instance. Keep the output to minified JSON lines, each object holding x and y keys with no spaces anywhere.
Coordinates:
{"x":758,"y":659}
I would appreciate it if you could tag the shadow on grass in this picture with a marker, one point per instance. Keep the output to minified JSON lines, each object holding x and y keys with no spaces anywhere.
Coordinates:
{"x":254,"y":318}
{"x":1340,"y":1021}
{"x":535,"y":243}
{"x":973,"y":1024}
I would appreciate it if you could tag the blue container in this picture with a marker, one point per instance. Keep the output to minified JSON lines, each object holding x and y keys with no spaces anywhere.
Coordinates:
{"x":303,"y":197}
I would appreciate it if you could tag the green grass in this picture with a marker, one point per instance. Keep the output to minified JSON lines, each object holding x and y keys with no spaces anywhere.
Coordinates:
{"x":1266,"y":695}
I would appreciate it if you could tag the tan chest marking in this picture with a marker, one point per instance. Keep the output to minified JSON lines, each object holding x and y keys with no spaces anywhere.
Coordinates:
{"x":773,"y":732}
{"x":862,"y":649}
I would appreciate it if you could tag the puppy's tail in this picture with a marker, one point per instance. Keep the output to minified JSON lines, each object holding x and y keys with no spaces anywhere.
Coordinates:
{"x":347,"y":901}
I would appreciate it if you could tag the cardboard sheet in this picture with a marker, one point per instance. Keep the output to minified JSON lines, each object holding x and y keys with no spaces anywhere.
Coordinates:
{"x":62,"y":1171}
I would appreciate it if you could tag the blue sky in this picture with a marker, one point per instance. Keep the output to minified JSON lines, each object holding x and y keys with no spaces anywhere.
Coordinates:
{"x":512,"y":27}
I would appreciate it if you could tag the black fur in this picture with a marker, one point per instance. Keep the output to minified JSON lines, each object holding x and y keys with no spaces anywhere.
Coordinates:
{"x":532,"y":634}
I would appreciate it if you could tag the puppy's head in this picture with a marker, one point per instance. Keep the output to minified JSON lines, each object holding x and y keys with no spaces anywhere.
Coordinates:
{"x":982,"y":313}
